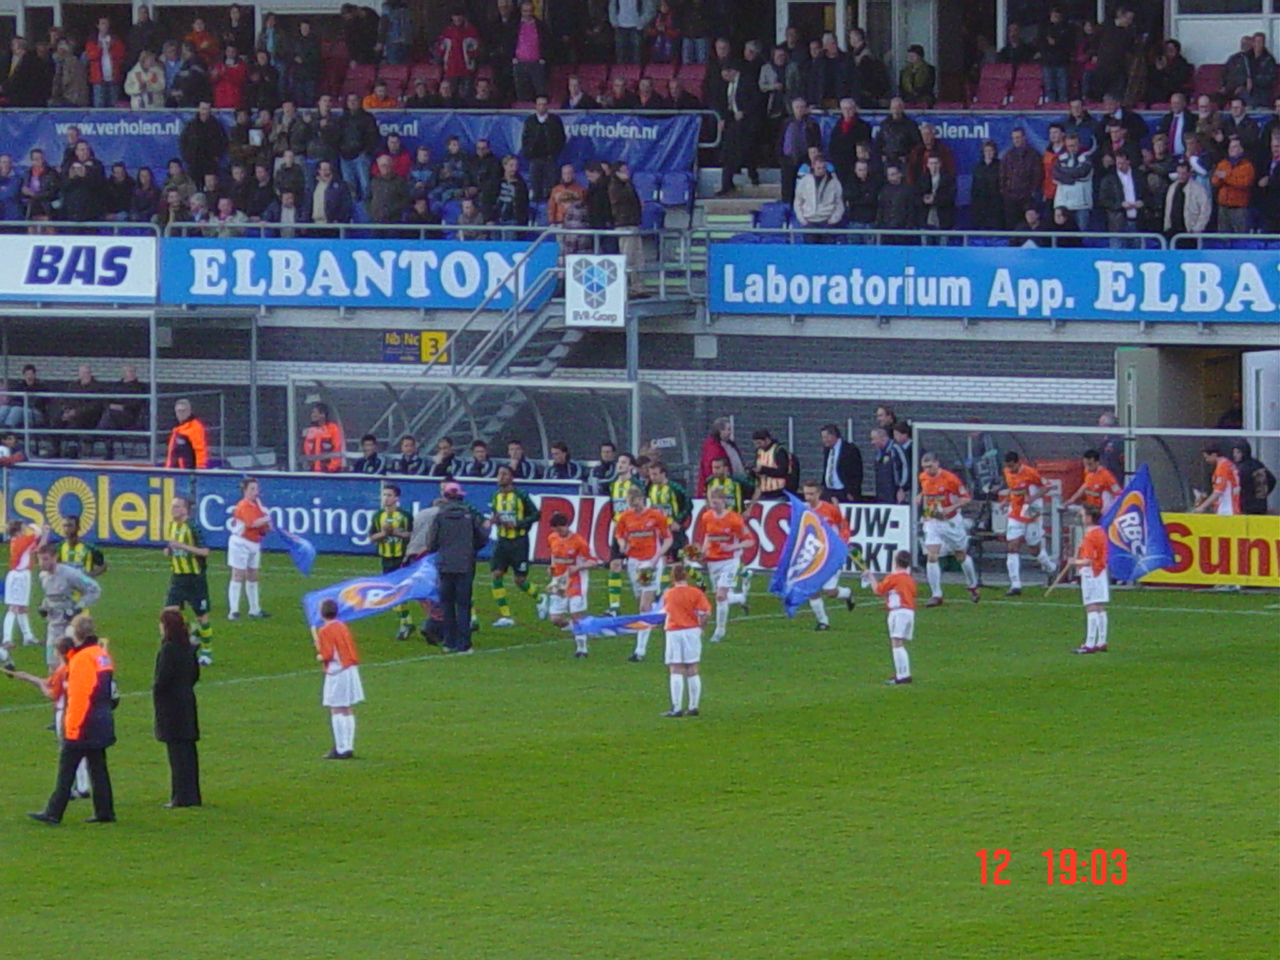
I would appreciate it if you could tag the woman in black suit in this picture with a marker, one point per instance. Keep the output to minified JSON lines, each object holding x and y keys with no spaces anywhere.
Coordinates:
{"x":174,"y":696}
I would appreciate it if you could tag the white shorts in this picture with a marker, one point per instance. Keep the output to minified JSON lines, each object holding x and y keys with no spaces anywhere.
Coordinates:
{"x":722,"y":573}
{"x":243,"y":554}
{"x":1094,"y":589}
{"x":684,"y":646}
{"x":1031,"y":531}
{"x":951,"y":535}
{"x":833,"y":583}
{"x":17,"y":588}
{"x":633,"y":573}
{"x":343,"y":688}
{"x":561,"y":604}
{"x":902,"y":624}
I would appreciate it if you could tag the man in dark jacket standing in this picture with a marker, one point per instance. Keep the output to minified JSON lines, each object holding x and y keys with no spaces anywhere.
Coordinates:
{"x":358,"y":141}
{"x":202,"y":143}
{"x":799,"y":135}
{"x":886,"y":484}
{"x":541,"y":143}
{"x":1021,"y":173}
{"x":455,"y":536}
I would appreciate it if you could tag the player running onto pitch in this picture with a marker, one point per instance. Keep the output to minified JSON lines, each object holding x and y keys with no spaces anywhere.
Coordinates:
{"x":721,"y":535}
{"x":566,"y":599}
{"x":899,"y":592}
{"x":514,"y":514}
{"x":624,"y":481}
{"x":942,"y":496}
{"x":1026,"y":492}
{"x":390,"y":528}
{"x":835,"y":518}
{"x":1095,"y":585}
{"x":1100,"y":486}
{"x":644,"y":537}
{"x":188,"y":578}
{"x":686,"y":610}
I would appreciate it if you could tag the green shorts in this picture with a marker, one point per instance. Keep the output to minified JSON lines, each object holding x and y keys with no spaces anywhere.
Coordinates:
{"x":390,"y":564}
{"x":190,"y":589}
{"x":510,"y":554}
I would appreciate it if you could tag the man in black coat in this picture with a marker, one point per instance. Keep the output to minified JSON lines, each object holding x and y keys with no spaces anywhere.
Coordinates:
{"x":886,"y":485}
{"x":455,"y":536}
{"x":202,"y":143}
{"x":799,"y":135}
{"x":849,"y":131}
{"x":841,"y":467}
{"x":741,"y":110}
{"x":358,"y":141}
{"x":541,"y":143}
{"x":173,"y":698}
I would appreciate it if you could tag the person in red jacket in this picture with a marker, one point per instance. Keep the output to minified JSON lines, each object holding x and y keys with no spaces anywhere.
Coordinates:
{"x":458,"y":49}
{"x":719,"y":445}
{"x":229,"y":75}
{"x":105,"y":56}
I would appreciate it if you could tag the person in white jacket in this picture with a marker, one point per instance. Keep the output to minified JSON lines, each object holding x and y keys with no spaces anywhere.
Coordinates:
{"x":819,"y":196}
{"x":1073,"y":173}
{"x":1187,"y":204}
{"x":144,"y":84}
{"x":630,"y":19}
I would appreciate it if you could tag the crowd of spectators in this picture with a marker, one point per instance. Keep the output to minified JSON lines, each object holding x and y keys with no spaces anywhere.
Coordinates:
{"x":85,"y":403}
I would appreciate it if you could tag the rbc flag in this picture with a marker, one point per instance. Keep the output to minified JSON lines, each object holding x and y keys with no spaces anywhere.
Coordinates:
{"x":617,"y":626}
{"x":301,"y":551}
{"x":1136,"y":539}
{"x":812,"y":555}
{"x":365,"y":596}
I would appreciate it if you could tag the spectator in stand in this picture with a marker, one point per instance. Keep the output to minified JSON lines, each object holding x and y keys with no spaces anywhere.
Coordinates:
{"x":679,"y":97}
{"x":561,"y":466}
{"x":1209,"y":127}
{"x":79,"y":197}
{"x":898,"y":134}
{"x":625,"y":210}
{"x":830,"y":72}
{"x":70,"y":86}
{"x":798,"y":139}
{"x":1260,"y":72}
{"x":145,"y":83}
{"x":304,"y":71}
{"x":1158,"y":167}
{"x":695,"y":31}
{"x":458,"y":51}
{"x":937,"y":194}
{"x":929,"y":146}
{"x":1015,"y":51}
{"x":1020,"y":176}
{"x":10,"y":192}
{"x":773,"y":84}
{"x":198,"y":212}
{"x":918,"y":79}
{"x":203,"y":142}
{"x":173,"y":210}
{"x":1049,"y":159}
{"x":24,"y":84}
{"x":1172,"y":75}
{"x":40,"y":187}
{"x":1177,"y":123}
{"x":849,"y":130}
{"x":1238,"y":123}
{"x":648,"y":97}
{"x":178,"y":179}
{"x":37,"y":408}
{"x":240,"y":148}
{"x":1073,"y":180}
{"x":330,"y":199}
{"x":229,"y":76}
{"x":360,"y":31}
{"x":419,"y":99}
{"x":619,"y":96}
{"x":1124,"y":196}
{"x":379,"y":98}
{"x":145,"y":34}
{"x":191,"y":83}
{"x":1082,"y":123}
{"x":401,"y":162}
{"x":511,"y":207}
{"x":862,"y":196}
{"x":486,"y":176}
{"x":541,"y":143}
{"x":578,"y":98}
{"x":599,"y":210}
{"x":1187,"y":205}
{"x":630,"y":19}
{"x":714,"y":84}
{"x":453,"y":175}
{"x":719,"y":445}
{"x":664,"y":34}
{"x":395,"y":32}
{"x":1268,"y":188}
{"x":118,"y":194}
{"x":202,"y":42}
{"x":290,"y":176}
{"x":567,"y":191}
{"x":819,"y":198}
{"x":446,"y":96}
{"x":226,"y":221}
{"x":262,"y":83}
{"x":105,"y":55}
{"x":145,"y":200}
{"x":741,"y":117}
{"x":899,"y":208}
{"x":93,"y":169}
{"x":253,"y":196}
{"x":1056,"y":44}
{"x":471,"y":216}
{"x":530,"y":45}
{"x":1233,"y":179}
{"x":865,"y":77}
{"x":1117,"y":41}
{"x":171,"y":63}
{"x":238,"y":32}
{"x":290,"y":132}
{"x":124,"y":414}
{"x":358,"y":140}
{"x":486,"y":96}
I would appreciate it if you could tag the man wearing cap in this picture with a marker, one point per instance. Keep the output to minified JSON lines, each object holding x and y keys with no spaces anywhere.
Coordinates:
{"x":455,"y":535}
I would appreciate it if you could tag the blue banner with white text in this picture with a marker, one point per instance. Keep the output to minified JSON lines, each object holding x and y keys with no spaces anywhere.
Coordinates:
{"x":987,"y":283}
{"x":434,"y":274}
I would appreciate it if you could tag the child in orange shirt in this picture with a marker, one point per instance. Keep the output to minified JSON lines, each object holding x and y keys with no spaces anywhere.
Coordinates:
{"x":899,"y":592}
{"x":1095,"y":585}
{"x":687,"y":611}
{"x":336,"y":649}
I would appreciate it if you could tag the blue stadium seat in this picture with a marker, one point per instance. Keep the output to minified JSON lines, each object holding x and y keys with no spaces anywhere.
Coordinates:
{"x":451,"y":210}
{"x":677,"y":189}
{"x":774,"y":215}
{"x":653,"y":215}
{"x":646,"y":184}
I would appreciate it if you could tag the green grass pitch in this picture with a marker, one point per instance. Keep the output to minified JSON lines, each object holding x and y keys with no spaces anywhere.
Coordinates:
{"x":521,"y":804}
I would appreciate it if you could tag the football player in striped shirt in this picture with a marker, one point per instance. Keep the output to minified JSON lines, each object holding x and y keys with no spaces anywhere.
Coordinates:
{"x":389,"y":530}
{"x":75,"y":552}
{"x":721,"y":535}
{"x":735,"y":497}
{"x":834,"y":516}
{"x":670,"y":499}
{"x":1026,"y":491}
{"x":188,"y":578}
{"x":1100,"y":486}
{"x":620,"y":487}
{"x":514,"y":514}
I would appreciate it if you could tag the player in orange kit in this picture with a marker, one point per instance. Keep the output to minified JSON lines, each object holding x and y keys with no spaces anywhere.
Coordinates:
{"x":570,"y":561}
{"x":835,"y":518}
{"x":942,"y":496}
{"x":644,"y":537}
{"x":899,"y":592}
{"x":722,"y":535}
{"x":1224,"y":499}
{"x":687,"y":610}
{"x":1100,"y":485}
{"x":336,"y":650}
{"x":249,"y":524}
{"x":1026,"y":491}
{"x":1095,"y":587}
{"x":23,"y":541}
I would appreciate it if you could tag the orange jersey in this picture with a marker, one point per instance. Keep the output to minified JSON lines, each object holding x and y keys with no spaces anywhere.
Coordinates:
{"x":319,"y":440}
{"x":834,"y":516}
{"x":643,"y":532}
{"x":1226,"y":483}
{"x":20,"y":549}
{"x":566,"y":550}
{"x":58,"y":683}
{"x":1020,"y":485}
{"x":941,"y":493}
{"x":898,"y":590}
{"x":718,"y":533}
{"x":248,"y":512}
{"x":682,"y":603}
{"x":1094,"y":549}
{"x":1097,"y":483}
{"x":336,"y":643}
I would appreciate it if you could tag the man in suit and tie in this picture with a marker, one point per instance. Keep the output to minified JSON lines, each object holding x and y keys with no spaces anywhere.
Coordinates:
{"x":741,"y":110}
{"x":1177,"y":123}
{"x":841,"y":467}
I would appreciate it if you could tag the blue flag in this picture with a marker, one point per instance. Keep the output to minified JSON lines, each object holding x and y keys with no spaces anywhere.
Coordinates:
{"x":301,"y":551}
{"x":812,"y":555}
{"x":617,"y":626}
{"x":1136,"y":539}
{"x":365,"y":596}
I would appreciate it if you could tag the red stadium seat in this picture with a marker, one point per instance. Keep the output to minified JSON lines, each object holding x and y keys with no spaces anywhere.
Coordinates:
{"x":950,"y":105}
{"x":429,"y":71}
{"x":660,"y":71}
{"x":1028,"y":73}
{"x":691,"y":72}
{"x":593,"y":72}
{"x":1025,"y":97}
{"x":694,"y":87}
{"x":359,"y":80}
{"x":1207,"y":79}
{"x":993,"y":85}
{"x":558,"y":83}
{"x":394,"y":73}
{"x":628,"y":71}
{"x":997,"y":71}
{"x":395,"y":88}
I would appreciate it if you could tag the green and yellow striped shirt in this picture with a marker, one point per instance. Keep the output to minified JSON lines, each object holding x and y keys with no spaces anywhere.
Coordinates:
{"x":181,"y":561}
{"x":399,"y":520}
{"x":732,"y":491}
{"x":515,"y":508}
{"x":81,"y":555}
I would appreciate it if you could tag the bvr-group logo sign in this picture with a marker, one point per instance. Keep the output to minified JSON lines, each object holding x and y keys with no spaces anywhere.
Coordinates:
{"x":595,"y":290}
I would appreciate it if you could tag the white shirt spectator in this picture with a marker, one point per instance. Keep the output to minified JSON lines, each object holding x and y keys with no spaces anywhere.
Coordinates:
{"x":819,"y":197}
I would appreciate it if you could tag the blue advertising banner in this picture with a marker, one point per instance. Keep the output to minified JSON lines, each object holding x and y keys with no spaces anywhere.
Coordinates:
{"x":131,"y":507}
{"x":353,"y":273}
{"x":837,"y":280}
{"x":150,"y":139}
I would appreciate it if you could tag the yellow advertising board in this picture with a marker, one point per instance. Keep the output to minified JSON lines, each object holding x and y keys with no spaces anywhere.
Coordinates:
{"x":1210,"y":550}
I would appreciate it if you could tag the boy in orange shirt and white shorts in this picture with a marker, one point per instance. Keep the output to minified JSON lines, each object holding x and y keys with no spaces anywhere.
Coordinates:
{"x":336,"y":649}
{"x":687,"y":610}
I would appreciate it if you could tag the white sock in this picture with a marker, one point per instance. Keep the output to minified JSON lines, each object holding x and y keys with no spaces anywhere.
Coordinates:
{"x":10,"y":621}
{"x":83,"y":783}
{"x":234,"y":589}
{"x":339,"y":728}
{"x":695,"y":690}
{"x":970,"y":571}
{"x":351,"y":732}
{"x":1013,"y":563}
{"x":642,"y":642}
{"x":677,"y":690}
{"x":722,"y":615}
{"x":819,"y":610}
{"x":24,"y":624}
{"x":580,"y":643}
{"x":1091,"y":630}
{"x":251,"y":589}
{"x":738,"y":598}
{"x":1046,"y":561}
{"x":1102,"y":629}
{"x":901,"y":663}
{"x":843,"y":593}
{"x":933,"y":570}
